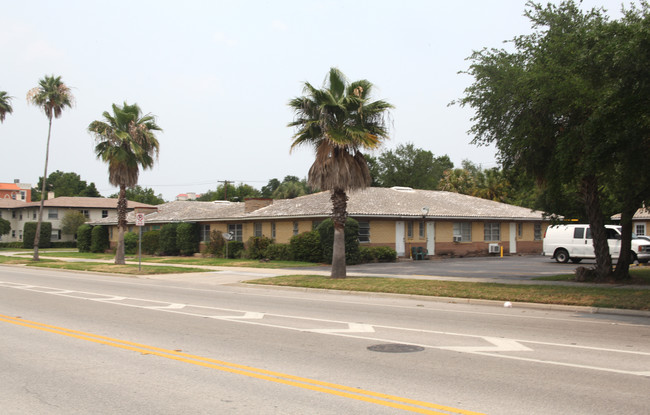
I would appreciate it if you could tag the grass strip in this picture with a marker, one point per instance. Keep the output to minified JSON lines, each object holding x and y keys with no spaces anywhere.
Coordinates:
{"x":603,"y":297}
{"x":130,"y":269}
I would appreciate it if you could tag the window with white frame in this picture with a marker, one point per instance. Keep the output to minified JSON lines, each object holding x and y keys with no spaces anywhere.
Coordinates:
{"x":85,"y":212}
{"x":409,"y":229}
{"x":538,"y":231}
{"x":204,"y":231}
{"x":104,"y":213}
{"x":272,"y":230}
{"x":639,"y":229}
{"x":463,"y":231}
{"x":56,"y":234}
{"x":295,"y":228}
{"x":53,"y":214}
{"x":257,"y":229}
{"x":364,"y":232}
{"x":492,"y":231}
{"x":421,"y":230}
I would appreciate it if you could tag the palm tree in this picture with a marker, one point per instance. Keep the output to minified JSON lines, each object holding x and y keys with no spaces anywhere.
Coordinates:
{"x":52,"y":96}
{"x":339,"y":121}
{"x":5,"y":106}
{"x":125,"y":140}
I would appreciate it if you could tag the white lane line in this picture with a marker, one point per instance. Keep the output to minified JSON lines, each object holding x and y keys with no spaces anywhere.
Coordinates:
{"x":352,"y":328}
{"x":499,"y":345}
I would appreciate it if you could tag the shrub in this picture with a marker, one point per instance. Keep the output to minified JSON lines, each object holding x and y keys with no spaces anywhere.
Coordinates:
{"x":84,"y":237}
{"x":235,"y":249}
{"x":64,"y":244}
{"x":377,"y":254}
{"x":278,"y":252}
{"x":187,"y":238}
{"x":326,"y":231}
{"x":99,"y":239}
{"x":168,"y":239}
{"x":214,"y":247}
{"x":256,"y":246}
{"x":306,"y":247}
{"x":29,"y":233}
{"x":385,"y":254}
{"x":131,"y":243}
{"x":11,"y":244}
{"x":150,"y":242}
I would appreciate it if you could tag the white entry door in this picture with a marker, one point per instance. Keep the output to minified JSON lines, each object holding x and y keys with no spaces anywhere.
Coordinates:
{"x":399,"y":238}
{"x":513,"y":238}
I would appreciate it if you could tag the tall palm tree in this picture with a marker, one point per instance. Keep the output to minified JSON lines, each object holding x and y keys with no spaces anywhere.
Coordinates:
{"x":52,"y":96}
{"x":5,"y":105}
{"x":125,"y":140}
{"x":339,"y":121}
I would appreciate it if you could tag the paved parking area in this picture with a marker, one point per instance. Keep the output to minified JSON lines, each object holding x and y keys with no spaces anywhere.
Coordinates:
{"x":517,"y":267}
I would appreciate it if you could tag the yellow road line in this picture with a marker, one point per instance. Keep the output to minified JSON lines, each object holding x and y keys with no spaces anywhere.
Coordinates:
{"x":397,"y":402}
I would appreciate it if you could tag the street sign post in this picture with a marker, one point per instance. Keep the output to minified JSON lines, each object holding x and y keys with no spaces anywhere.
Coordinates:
{"x":139,"y":222}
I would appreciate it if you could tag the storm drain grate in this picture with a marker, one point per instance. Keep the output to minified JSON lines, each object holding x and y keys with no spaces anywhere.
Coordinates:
{"x":395,"y":348}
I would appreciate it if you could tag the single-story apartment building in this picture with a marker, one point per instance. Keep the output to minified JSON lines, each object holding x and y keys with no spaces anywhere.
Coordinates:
{"x":443,"y":223}
{"x":54,"y":209}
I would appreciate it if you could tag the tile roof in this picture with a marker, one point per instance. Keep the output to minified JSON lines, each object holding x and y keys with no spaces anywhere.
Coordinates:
{"x":400,"y":202}
{"x":373,"y":201}
{"x":76,"y":202}
{"x":9,"y":186}
{"x":642,"y":213}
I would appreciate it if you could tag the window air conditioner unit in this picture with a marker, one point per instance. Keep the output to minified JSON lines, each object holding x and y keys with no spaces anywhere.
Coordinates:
{"x":494,"y":248}
{"x":458,"y":238}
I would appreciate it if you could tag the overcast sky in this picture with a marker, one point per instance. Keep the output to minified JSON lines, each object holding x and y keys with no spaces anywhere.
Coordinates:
{"x":218,"y":76}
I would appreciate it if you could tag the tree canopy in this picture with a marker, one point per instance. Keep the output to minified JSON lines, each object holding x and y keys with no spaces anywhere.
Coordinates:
{"x":65,"y":184}
{"x":5,"y":105}
{"x":408,"y":166}
{"x":142,"y":195}
{"x":568,"y":107}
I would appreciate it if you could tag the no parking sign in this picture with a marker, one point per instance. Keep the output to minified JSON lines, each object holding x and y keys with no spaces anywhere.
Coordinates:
{"x":139,"y":219}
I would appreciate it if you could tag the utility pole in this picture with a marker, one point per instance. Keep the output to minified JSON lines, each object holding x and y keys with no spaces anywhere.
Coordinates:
{"x":225,"y":188}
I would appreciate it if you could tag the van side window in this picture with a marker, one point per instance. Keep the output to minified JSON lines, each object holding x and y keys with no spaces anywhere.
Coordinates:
{"x":578,"y":233}
{"x":612,"y":234}
{"x":588,"y":236}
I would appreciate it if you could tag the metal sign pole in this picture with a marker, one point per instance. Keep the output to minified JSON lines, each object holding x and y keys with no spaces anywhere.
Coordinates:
{"x":140,"y":250}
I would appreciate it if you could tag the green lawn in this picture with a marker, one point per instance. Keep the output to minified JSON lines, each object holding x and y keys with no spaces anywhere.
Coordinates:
{"x":579,"y":295}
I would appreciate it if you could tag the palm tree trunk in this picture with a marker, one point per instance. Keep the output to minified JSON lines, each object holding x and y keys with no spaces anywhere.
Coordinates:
{"x":121,"y":226}
{"x":339,"y":213}
{"x":37,"y":237}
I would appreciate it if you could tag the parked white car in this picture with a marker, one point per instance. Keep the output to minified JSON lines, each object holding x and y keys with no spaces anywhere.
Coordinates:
{"x":574,"y":242}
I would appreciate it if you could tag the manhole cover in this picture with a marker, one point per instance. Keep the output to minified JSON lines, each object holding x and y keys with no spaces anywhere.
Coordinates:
{"x":395,"y":348}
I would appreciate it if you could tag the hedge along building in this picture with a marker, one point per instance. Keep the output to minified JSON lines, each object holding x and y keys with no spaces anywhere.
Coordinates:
{"x":443,"y":223}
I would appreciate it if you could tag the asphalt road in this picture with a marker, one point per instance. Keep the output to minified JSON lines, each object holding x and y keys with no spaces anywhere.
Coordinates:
{"x":75,"y":343}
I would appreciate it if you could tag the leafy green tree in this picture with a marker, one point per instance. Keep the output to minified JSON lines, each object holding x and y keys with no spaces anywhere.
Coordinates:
{"x":5,"y":105}
{"x":65,"y":184}
{"x":339,"y":121}
{"x":267,"y":191}
{"x":410,"y":166}
{"x":142,"y":195}
{"x":71,"y":221}
{"x":563,"y":107}
{"x":230,"y":192}
{"x":126,"y":141}
{"x":5,"y":227}
{"x":52,"y":96}
{"x":29,"y":234}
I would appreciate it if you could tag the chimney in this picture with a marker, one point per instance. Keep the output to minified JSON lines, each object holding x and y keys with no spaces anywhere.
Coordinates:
{"x":50,"y":195}
{"x":253,"y":203}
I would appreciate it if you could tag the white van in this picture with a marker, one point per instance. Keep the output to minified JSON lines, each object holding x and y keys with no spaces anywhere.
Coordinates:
{"x":574,"y":242}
